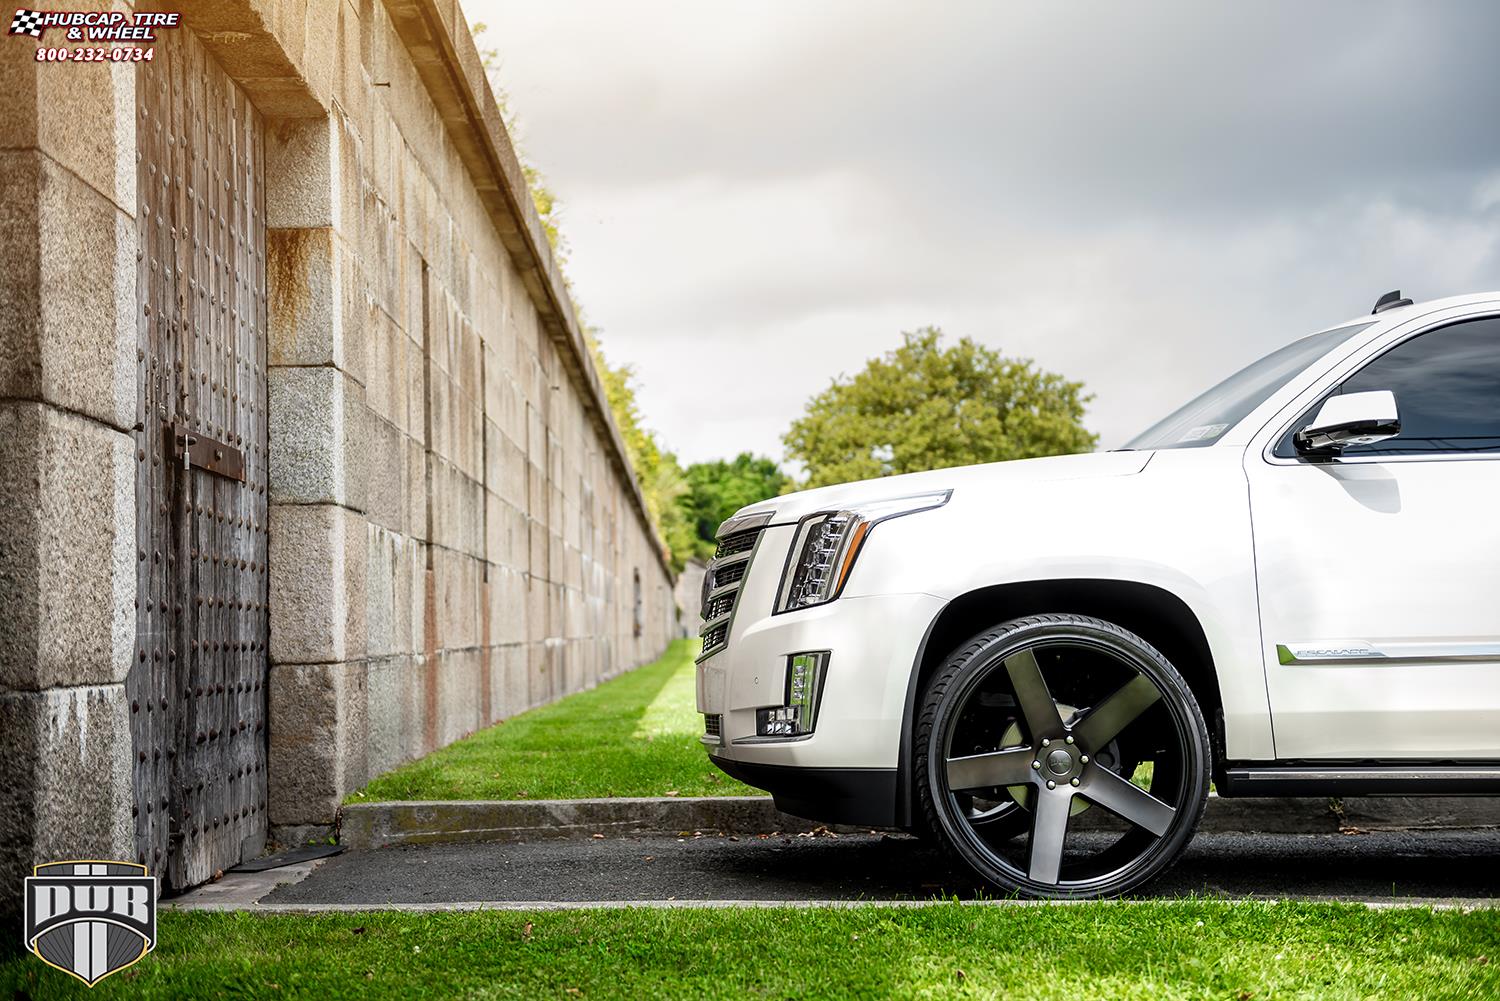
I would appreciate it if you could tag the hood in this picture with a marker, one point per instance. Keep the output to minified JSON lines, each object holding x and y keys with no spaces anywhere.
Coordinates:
{"x":989,"y":476}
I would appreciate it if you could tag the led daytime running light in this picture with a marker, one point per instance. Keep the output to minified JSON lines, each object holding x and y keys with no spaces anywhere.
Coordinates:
{"x":826,"y":546}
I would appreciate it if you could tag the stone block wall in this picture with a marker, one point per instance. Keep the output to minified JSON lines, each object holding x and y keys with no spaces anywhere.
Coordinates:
{"x":455,"y":533}
{"x":67,"y":481}
{"x":436,"y":435}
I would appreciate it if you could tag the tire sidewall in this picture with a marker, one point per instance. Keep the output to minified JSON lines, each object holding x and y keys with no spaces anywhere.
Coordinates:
{"x":977,"y":659}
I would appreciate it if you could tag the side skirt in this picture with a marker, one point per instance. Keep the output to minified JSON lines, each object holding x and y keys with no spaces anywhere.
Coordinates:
{"x":1360,"y":779}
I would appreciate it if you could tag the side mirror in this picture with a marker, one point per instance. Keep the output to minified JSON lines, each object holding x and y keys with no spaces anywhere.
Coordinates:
{"x":1353,"y":419}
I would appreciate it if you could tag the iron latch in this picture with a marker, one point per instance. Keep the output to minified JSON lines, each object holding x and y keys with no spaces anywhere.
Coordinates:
{"x":198,"y":451}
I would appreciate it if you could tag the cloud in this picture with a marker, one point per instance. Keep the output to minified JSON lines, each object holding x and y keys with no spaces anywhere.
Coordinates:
{"x":761,"y":196}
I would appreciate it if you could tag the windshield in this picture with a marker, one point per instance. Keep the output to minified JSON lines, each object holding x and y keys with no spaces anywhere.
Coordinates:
{"x":1208,"y":416}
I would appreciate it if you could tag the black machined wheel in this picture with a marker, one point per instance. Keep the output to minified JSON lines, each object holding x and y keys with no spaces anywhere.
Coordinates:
{"x":1070,"y":731}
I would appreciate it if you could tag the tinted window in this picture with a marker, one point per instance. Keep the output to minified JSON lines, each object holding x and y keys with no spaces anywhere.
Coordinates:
{"x":1447,"y":386}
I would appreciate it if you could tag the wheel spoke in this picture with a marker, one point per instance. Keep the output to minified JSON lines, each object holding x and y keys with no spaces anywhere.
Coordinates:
{"x":998,"y":768}
{"x":1082,"y":706}
{"x":1032,"y":696}
{"x":998,"y":815}
{"x":1122,"y":797}
{"x":1048,"y":830}
{"x":1115,"y":713}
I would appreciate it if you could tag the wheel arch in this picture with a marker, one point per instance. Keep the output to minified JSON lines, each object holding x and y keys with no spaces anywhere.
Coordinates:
{"x":1155,"y":614}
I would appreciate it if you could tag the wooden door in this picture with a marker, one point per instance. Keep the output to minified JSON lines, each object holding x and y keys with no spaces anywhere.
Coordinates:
{"x":197,"y":685}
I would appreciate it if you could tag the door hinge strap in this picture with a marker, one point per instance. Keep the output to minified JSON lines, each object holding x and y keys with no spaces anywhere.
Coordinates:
{"x":198,"y":451}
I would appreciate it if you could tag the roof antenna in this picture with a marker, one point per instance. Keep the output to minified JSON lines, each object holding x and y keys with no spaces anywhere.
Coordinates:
{"x":1390,"y":300}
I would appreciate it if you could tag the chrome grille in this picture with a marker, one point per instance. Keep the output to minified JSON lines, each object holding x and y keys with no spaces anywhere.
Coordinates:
{"x":731,"y":573}
{"x":721,"y":587}
{"x":713,"y":728}
{"x":715,"y":637}
{"x":722,"y":605}
{"x":739,"y":542}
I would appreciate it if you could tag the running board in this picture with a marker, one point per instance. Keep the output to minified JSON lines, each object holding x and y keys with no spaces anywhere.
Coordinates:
{"x":1361,"y":780}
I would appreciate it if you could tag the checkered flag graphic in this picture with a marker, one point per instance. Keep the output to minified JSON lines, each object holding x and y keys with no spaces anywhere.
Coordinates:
{"x":27,"y":22}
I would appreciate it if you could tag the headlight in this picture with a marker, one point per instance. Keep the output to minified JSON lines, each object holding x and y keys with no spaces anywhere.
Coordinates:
{"x":827,"y":544}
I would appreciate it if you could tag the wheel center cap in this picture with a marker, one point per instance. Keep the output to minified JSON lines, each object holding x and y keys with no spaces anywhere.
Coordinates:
{"x":1060,"y":762}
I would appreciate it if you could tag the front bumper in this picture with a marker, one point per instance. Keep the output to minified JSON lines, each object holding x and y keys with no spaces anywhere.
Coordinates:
{"x":864,"y":797}
{"x":845,"y":770}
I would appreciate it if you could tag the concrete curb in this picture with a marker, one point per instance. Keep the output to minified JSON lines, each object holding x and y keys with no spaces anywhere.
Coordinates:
{"x":533,"y":906}
{"x":373,"y":825}
{"x":370,"y":825}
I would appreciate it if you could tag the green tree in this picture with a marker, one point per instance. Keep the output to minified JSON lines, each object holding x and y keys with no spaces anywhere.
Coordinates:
{"x":718,"y":489}
{"x":926,"y":406}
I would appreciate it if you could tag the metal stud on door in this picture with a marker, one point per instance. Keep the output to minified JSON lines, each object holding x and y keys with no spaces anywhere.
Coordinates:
{"x":197,"y":682}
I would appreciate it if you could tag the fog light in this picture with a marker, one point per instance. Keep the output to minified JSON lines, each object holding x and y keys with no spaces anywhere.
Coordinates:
{"x":804,"y":684}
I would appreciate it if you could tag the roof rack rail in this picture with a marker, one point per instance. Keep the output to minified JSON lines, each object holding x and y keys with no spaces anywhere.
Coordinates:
{"x":1390,"y":300}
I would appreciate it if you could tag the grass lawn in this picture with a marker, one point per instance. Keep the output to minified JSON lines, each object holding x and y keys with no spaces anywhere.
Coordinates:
{"x":635,"y":735}
{"x":1154,"y":950}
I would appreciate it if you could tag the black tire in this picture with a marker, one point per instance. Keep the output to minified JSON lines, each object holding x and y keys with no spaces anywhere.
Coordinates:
{"x":1000,"y":752}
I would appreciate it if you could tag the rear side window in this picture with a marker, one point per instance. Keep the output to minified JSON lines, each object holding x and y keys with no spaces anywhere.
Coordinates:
{"x":1447,"y":386}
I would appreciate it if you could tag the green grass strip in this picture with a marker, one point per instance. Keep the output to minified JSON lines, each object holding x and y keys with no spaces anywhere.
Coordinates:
{"x":635,"y":735}
{"x":1152,"y":950}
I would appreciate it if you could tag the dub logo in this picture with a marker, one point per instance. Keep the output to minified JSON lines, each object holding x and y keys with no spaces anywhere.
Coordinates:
{"x":90,"y":919}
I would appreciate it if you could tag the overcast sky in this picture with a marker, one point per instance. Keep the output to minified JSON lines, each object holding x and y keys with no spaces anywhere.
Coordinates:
{"x":760,"y":196}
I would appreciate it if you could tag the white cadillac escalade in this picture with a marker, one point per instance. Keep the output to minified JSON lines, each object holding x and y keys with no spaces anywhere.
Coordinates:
{"x":1290,"y":586}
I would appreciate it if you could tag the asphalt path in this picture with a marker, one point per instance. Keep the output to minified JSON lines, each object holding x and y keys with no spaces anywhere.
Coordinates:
{"x":1378,"y":867}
